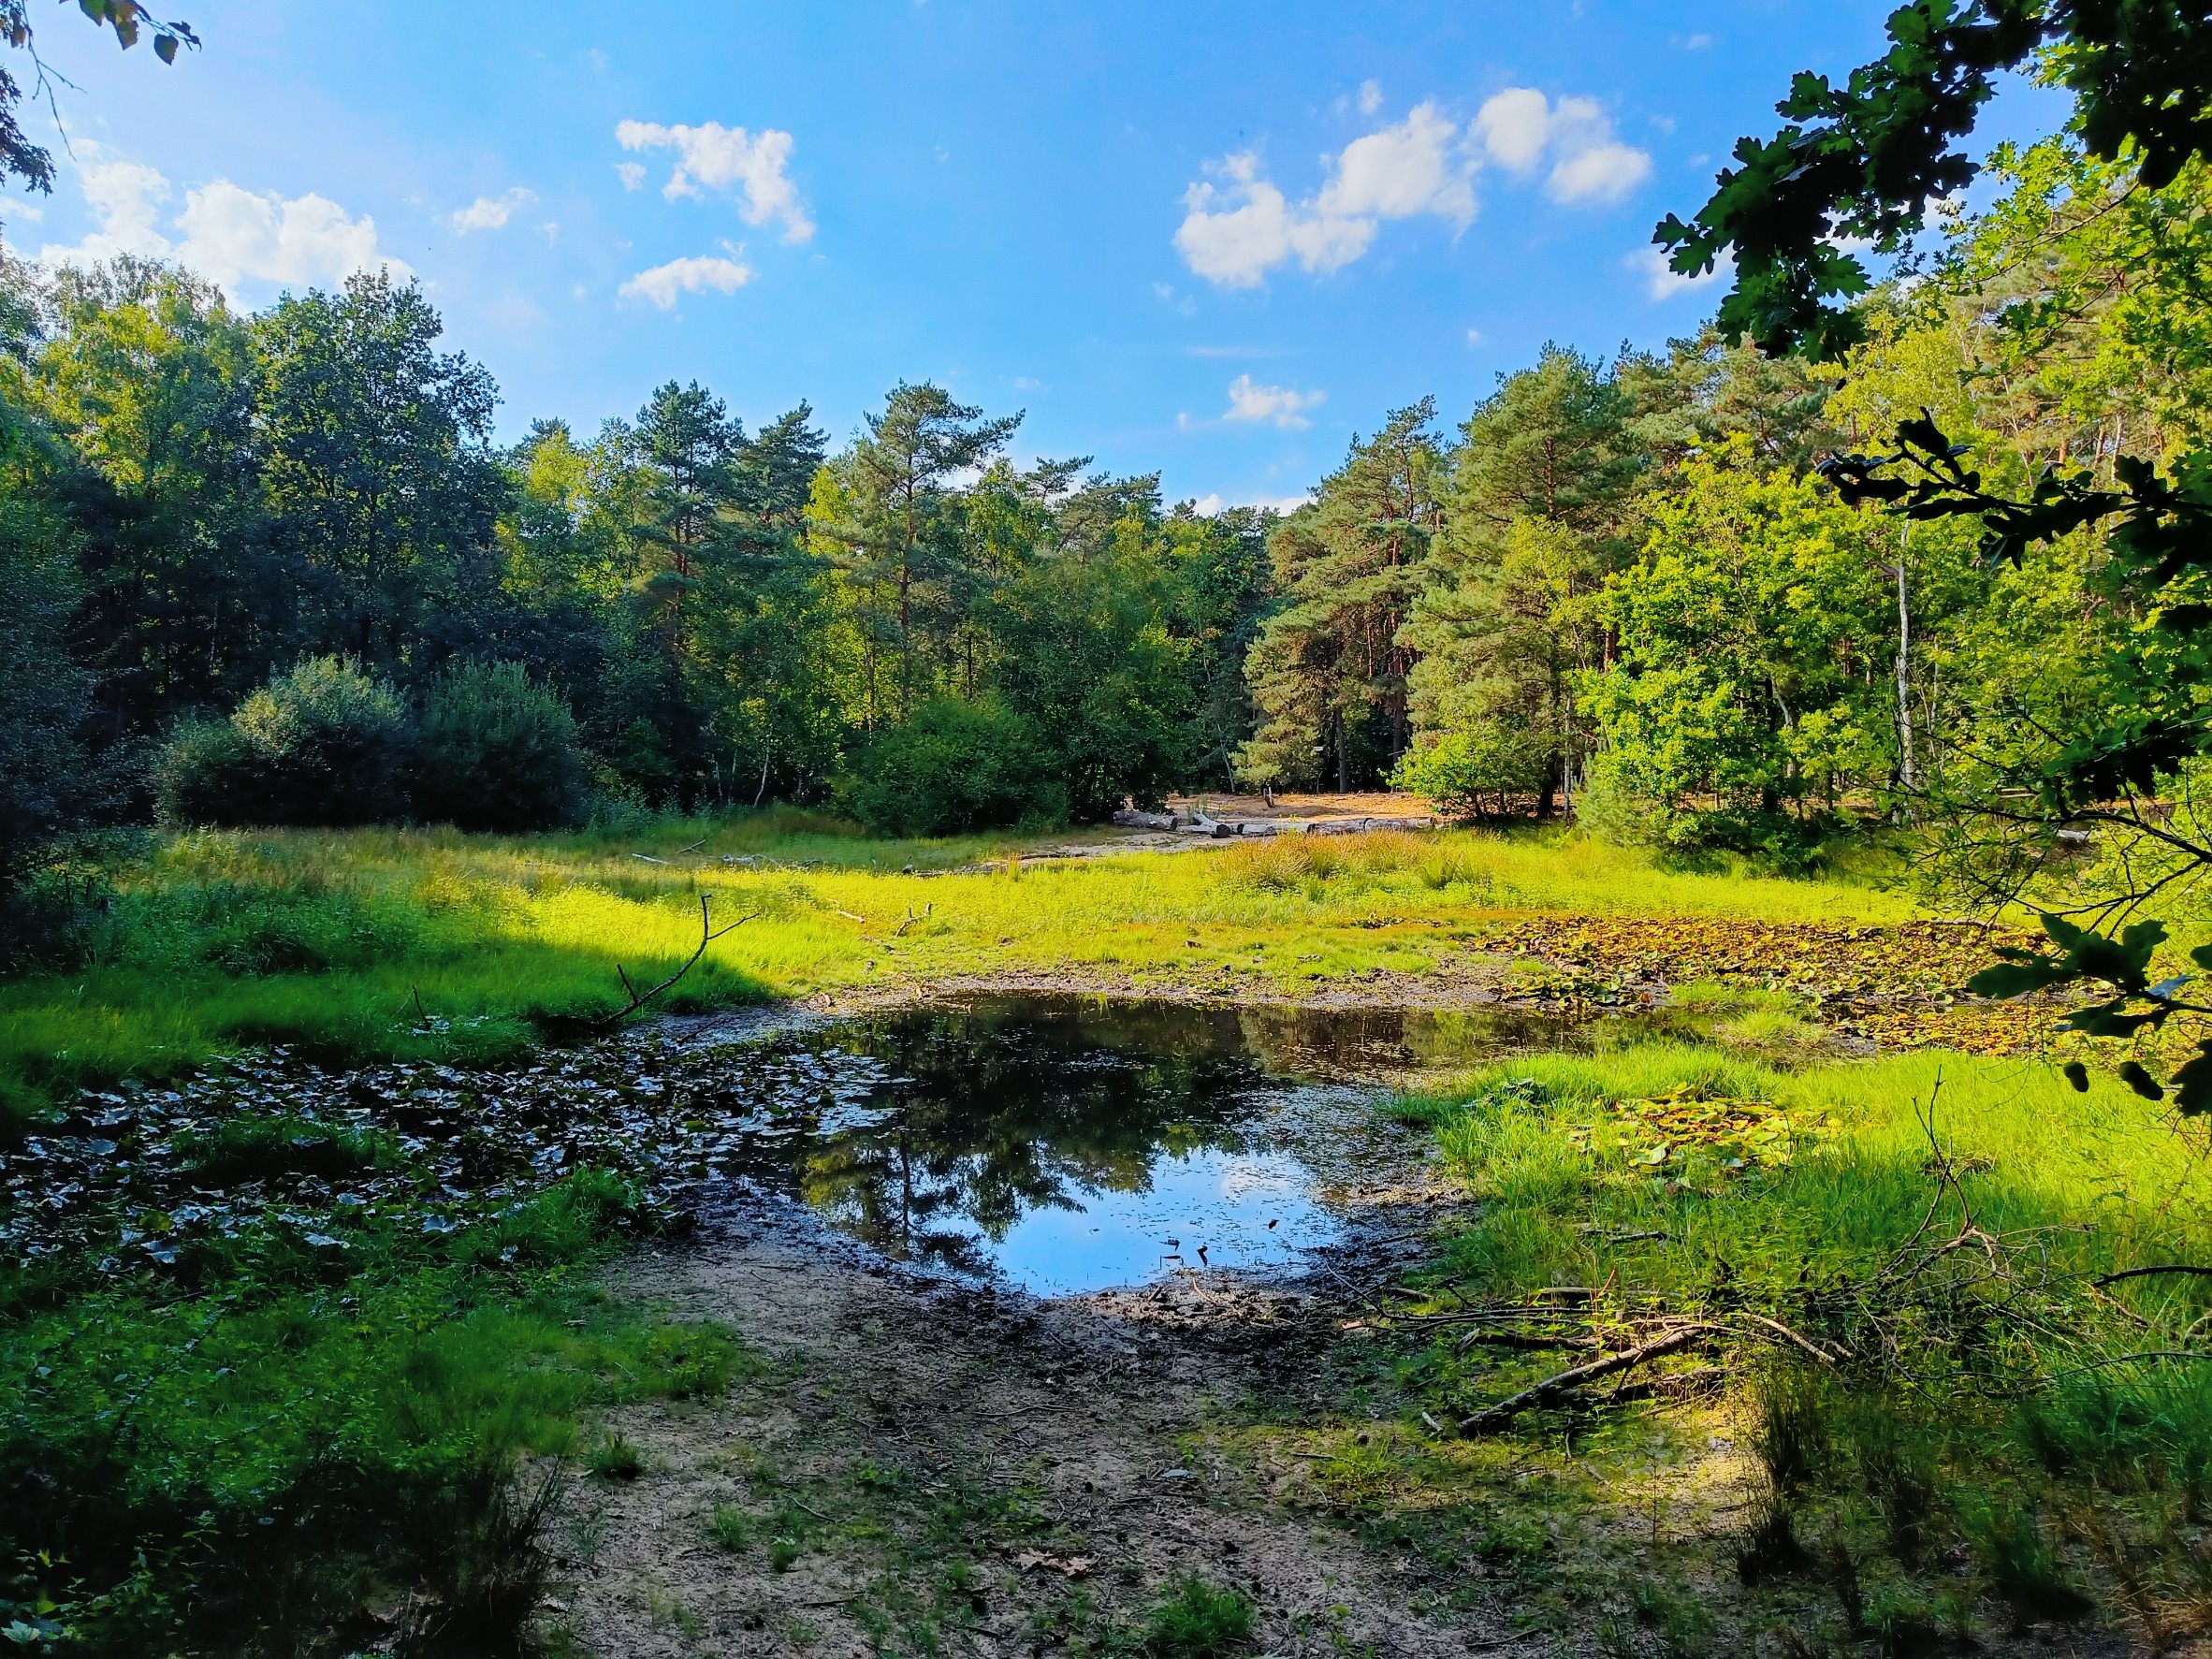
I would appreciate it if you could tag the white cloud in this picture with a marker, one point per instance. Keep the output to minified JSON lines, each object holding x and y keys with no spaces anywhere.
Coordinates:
{"x":125,"y":197}
{"x":1248,"y":401}
{"x":664,"y":283}
{"x":29,"y":211}
{"x":728,"y":161}
{"x":228,"y":234}
{"x":1520,"y":127}
{"x":1660,"y":283}
{"x":1238,"y":224}
{"x":490,"y":212}
{"x":1235,"y":231}
{"x":1401,"y":171}
{"x":1514,"y":125}
{"x":231,"y":234}
{"x":1602,"y":173}
{"x":1698,"y":43}
{"x":1474,"y":338}
{"x":1214,"y":503}
{"x":632,"y":173}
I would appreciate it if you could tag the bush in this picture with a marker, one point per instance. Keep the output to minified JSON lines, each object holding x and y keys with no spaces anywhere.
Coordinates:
{"x":955,"y":766}
{"x":496,"y":753}
{"x":1470,"y":775}
{"x":324,"y":745}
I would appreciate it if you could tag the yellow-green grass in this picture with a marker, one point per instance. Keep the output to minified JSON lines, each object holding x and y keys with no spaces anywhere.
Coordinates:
{"x":392,"y":942}
{"x":2123,"y":1183}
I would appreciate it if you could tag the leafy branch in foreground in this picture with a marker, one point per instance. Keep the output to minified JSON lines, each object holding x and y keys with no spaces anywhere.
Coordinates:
{"x":1865,"y":160}
{"x":2137,"y":1006}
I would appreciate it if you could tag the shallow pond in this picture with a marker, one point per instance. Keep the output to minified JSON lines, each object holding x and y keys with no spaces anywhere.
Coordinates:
{"x":1068,"y":1144}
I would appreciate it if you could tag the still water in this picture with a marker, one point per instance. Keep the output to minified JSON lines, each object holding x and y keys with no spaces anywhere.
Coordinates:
{"x":1068,"y":1144}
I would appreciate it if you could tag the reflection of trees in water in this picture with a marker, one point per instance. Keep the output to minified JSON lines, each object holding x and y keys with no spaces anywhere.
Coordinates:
{"x":999,"y":1116}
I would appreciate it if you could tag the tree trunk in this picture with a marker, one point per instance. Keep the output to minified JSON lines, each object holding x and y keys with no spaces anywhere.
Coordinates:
{"x":1904,"y":677}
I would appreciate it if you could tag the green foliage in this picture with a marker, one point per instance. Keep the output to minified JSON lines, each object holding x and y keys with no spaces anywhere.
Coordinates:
{"x":322,"y":745}
{"x":256,"y":1463}
{"x":954,"y":767}
{"x":1472,"y":775}
{"x":1733,"y":687}
{"x":496,"y":752}
{"x":1329,"y":668}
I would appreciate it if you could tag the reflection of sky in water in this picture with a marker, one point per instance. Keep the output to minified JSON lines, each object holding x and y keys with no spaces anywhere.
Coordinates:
{"x":1061,"y":1143}
{"x":1222,"y":1200}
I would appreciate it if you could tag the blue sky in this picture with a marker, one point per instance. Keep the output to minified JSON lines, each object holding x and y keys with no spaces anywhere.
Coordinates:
{"x":1213,"y":241}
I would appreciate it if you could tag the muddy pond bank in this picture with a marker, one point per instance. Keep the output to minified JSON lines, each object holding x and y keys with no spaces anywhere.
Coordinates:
{"x":991,"y":1347}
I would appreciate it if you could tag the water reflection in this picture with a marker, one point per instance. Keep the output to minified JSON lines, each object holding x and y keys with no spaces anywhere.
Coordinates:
{"x":1069,"y":1145}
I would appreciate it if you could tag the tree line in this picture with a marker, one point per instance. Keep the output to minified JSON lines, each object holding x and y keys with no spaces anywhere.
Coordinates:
{"x":272,"y":567}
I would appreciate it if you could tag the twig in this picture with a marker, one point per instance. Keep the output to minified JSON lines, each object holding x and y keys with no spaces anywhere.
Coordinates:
{"x":1567,"y":1382}
{"x":901,"y":930}
{"x":708,"y":933}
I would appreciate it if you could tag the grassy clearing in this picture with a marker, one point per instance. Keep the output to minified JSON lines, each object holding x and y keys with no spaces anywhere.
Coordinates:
{"x":412,"y":944}
{"x":2020,"y":1448}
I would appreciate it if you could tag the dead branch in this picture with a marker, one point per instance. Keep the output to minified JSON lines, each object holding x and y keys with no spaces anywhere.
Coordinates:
{"x":1780,"y":1329}
{"x":911,"y":919}
{"x":1566,"y":1382}
{"x":2145,"y":1273}
{"x":708,"y":933}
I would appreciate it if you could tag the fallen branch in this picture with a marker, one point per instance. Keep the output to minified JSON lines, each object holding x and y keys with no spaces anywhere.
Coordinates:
{"x":1566,"y":1382}
{"x":2145,"y":1273}
{"x":708,"y":933}
{"x":901,"y":930}
{"x":1805,"y":1343}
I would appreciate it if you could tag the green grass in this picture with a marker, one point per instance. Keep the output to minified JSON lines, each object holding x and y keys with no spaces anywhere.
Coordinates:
{"x":1196,"y":1619}
{"x":419,"y":944}
{"x":244,"y":1469}
{"x":2025,"y":1438}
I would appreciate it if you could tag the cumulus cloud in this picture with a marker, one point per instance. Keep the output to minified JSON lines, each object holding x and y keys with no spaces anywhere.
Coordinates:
{"x":632,"y":173}
{"x":232,"y":234}
{"x":1238,"y":226}
{"x":1276,"y":405}
{"x":1370,"y":96}
{"x":711,"y":158}
{"x":1660,"y":283}
{"x":490,"y":212}
{"x":1401,"y":171}
{"x":125,"y":197}
{"x":1236,"y":231}
{"x":663,"y":284}
{"x":1520,"y":129}
{"x":228,"y":233}
{"x":1514,"y":125}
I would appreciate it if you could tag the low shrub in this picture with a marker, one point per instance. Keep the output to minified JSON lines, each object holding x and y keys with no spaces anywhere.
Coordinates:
{"x":324,"y":745}
{"x":496,"y":752}
{"x":1475,"y":775}
{"x":954,"y":767}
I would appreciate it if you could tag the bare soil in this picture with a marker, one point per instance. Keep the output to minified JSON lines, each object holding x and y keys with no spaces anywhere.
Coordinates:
{"x":951,"y":1467}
